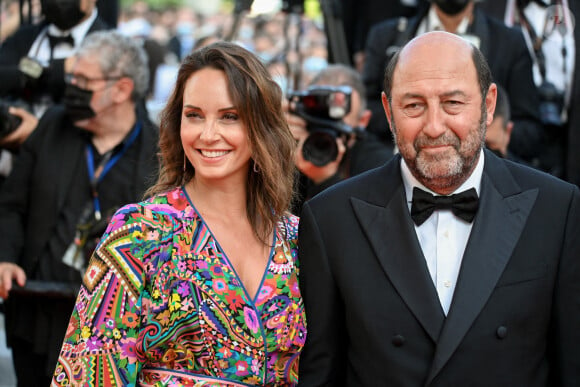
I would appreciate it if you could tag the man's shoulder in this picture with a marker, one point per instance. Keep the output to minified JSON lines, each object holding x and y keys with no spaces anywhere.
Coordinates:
{"x":531,"y":178}
{"x":371,"y":186}
{"x":395,"y":25}
{"x":499,"y":28}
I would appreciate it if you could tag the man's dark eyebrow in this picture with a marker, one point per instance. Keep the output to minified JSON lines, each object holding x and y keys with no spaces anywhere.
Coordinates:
{"x":452,"y":93}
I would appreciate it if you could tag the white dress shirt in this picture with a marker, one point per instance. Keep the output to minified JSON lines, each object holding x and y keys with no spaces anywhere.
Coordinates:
{"x":40,"y":49}
{"x":443,"y":237}
{"x":557,"y":24}
{"x":432,"y":23}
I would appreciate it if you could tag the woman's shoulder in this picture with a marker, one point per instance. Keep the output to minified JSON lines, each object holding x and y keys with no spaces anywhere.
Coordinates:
{"x":290,"y":226}
{"x":161,"y":207}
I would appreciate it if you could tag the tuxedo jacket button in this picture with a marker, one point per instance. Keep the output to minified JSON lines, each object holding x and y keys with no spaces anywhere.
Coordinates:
{"x":501,"y":332}
{"x":398,"y":340}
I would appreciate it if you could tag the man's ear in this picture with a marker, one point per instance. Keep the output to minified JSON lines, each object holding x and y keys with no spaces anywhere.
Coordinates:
{"x":490,"y":100}
{"x":387,"y":108}
{"x":124,"y":89}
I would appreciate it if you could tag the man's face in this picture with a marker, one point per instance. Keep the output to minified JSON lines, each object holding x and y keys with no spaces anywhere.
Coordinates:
{"x":87,"y":75}
{"x":437,"y":114}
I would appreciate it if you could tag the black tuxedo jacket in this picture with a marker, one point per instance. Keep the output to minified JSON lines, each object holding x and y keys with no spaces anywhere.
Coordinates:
{"x":15,"y":47}
{"x":508,"y":58}
{"x":373,"y":314}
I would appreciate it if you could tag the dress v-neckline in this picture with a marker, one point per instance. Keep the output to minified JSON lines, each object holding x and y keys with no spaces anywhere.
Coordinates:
{"x":225,"y":257}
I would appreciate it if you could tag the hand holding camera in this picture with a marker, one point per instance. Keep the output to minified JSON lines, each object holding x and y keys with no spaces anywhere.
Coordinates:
{"x":16,"y":123}
{"x":322,"y":108}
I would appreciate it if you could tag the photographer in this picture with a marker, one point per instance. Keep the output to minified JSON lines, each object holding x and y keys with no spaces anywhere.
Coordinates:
{"x":503,"y":47}
{"x":87,"y":156}
{"x":325,"y":163}
{"x":33,"y":61}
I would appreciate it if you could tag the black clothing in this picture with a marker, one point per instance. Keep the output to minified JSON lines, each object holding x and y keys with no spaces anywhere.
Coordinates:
{"x":357,"y":17}
{"x":39,"y":208}
{"x":508,"y":58}
{"x":14,"y":84}
{"x":366,"y":153}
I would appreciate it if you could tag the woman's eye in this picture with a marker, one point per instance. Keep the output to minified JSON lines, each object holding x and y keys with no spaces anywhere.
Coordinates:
{"x":192,"y":114}
{"x":230,"y":116}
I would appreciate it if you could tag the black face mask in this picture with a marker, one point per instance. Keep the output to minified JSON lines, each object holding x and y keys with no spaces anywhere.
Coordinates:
{"x":64,"y":14}
{"x":451,"y":7}
{"x":77,"y":103}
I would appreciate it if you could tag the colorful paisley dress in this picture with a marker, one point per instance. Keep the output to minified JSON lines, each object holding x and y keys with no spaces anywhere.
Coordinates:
{"x":161,"y":305}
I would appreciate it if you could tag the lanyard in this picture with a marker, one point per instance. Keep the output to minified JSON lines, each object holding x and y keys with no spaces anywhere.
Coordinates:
{"x":105,"y":165}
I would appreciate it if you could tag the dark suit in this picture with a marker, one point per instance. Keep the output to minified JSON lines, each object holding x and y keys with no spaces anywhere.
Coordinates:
{"x":373,"y":314}
{"x":508,"y":58}
{"x":31,"y":205}
{"x":16,"y":47}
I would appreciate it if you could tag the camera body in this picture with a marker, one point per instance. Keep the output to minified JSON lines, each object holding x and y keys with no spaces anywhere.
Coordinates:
{"x":323,"y":108}
{"x":9,"y":122}
{"x":551,"y":105}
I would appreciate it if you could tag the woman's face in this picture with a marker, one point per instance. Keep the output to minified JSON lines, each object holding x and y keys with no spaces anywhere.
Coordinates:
{"x":214,"y":138}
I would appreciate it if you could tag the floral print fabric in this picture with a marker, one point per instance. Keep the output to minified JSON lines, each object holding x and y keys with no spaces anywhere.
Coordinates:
{"x":161,"y":305}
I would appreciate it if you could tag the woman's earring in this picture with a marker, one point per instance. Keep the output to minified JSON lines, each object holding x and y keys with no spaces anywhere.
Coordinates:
{"x":256,"y":169}
{"x":184,"y":163}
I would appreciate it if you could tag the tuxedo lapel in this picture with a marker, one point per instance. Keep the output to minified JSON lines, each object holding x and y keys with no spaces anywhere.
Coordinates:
{"x":390,"y":231}
{"x":501,"y":217}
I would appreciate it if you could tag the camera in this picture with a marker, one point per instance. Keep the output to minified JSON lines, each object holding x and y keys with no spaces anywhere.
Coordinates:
{"x":323,"y":108}
{"x":551,"y":105}
{"x":9,"y":122}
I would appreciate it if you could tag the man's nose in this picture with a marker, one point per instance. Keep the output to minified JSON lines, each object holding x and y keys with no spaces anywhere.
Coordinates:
{"x":435,"y":122}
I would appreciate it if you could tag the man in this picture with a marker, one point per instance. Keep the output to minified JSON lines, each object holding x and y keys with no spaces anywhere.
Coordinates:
{"x":400,"y":292}
{"x":358,"y":150}
{"x":504,"y":48}
{"x":554,"y":45}
{"x":83,"y":161}
{"x":33,"y":61}
{"x":497,"y":135}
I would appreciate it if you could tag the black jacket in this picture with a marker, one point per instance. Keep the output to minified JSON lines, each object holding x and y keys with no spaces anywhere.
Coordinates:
{"x":13,"y":83}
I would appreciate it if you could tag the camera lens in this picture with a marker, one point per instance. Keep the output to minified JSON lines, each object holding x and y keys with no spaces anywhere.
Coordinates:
{"x":320,"y":147}
{"x":8,"y":122}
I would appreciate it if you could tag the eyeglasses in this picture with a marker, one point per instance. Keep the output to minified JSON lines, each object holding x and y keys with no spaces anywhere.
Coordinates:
{"x":83,"y":81}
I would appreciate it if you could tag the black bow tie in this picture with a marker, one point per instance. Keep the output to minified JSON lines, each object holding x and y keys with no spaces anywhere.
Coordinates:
{"x":463,"y":205}
{"x":54,"y":40}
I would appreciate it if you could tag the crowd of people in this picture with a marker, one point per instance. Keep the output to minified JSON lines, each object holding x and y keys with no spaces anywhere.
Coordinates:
{"x":194,"y":198}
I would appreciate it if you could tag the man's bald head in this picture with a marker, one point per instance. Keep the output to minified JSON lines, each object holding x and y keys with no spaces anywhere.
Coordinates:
{"x":434,"y":46}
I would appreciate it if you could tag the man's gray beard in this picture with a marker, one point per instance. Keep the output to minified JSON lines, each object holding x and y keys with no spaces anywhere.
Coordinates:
{"x":427,"y":171}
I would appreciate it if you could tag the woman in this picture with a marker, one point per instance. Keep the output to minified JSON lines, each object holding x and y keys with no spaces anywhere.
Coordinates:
{"x":198,"y":284}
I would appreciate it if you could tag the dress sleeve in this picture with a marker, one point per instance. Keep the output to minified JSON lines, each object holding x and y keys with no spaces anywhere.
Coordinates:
{"x":99,"y":347}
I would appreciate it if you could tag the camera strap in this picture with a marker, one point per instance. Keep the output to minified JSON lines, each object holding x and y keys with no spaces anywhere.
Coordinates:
{"x":107,"y":162}
{"x":551,"y":23}
{"x":74,"y":256}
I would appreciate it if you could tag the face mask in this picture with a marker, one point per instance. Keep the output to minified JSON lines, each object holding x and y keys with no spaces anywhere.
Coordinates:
{"x":451,"y":7}
{"x":77,"y":103}
{"x":64,"y":14}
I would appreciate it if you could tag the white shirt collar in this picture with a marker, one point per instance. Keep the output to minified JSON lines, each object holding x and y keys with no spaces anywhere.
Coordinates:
{"x":433,"y":23}
{"x":473,"y":181}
